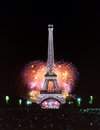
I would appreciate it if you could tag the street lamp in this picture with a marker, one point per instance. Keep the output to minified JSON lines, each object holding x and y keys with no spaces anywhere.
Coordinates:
{"x":91,"y":100}
{"x":20,"y":102}
{"x":7,"y":99}
{"x":79,"y":102}
{"x":28,"y":103}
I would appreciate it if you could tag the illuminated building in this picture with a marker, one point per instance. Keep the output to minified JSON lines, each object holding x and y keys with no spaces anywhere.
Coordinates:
{"x":53,"y":96}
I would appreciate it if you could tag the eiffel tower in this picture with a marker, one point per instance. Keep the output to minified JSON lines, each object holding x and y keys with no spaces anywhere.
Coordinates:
{"x":50,"y":74}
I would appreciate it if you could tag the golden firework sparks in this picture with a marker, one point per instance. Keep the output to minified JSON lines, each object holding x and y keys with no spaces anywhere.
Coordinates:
{"x":33,"y":76}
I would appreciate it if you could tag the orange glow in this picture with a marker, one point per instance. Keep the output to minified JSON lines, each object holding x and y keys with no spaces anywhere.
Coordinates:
{"x":33,"y":76}
{"x":50,"y":86}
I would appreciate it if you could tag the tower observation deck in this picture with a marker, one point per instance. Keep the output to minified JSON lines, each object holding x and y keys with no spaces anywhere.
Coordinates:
{"x":50,"y":74}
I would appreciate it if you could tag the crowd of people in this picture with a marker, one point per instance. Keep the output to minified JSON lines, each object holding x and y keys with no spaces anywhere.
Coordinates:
{"x":48,"y":119}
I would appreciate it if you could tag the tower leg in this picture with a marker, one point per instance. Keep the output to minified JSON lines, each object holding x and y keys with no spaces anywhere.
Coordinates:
{"x":45,"y":86}
{"x":55,"y":85}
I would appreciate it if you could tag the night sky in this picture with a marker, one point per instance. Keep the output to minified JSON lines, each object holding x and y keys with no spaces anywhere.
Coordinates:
{"x":24,"y":38}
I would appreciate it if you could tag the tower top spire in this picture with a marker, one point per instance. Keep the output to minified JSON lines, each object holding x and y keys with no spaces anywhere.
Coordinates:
{"x":50,"y":59}
{"x":50,"y":25}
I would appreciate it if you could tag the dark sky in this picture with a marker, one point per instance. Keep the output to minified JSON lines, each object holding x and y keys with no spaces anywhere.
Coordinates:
{"x":24,"y":38}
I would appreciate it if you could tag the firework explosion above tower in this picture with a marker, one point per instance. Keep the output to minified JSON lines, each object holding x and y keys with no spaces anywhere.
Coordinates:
{"x":50,"y":76}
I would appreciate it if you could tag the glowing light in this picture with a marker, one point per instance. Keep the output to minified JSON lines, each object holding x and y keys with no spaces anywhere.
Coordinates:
{"x":50,"y":103}
{"x":20,"y":102}
{"x":79,"y":99}
{"x":28,"y":102}
{"x":91,"y":100}
{"x":7,"y":99}
{"x":33,"y":75}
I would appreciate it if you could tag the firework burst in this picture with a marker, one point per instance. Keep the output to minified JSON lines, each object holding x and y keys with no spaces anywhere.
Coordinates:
{"x":33,"y":76}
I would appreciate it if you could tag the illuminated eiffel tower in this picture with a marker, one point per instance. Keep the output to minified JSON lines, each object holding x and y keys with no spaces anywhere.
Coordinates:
{"x":50,"y":74}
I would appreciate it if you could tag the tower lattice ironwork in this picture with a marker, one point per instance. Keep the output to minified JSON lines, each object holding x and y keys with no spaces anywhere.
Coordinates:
{"x":50,"y":60}
{"x":50,"y":74}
